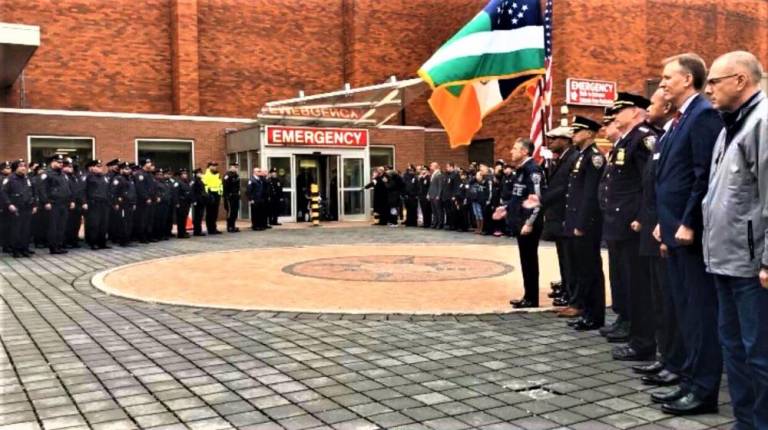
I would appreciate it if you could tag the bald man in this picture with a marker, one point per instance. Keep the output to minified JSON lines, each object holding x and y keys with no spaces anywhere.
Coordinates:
{"x":735,"y":231}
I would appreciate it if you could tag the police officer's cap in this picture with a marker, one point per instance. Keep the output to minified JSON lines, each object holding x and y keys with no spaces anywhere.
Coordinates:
{"x":15,"y":164}
{"x":123,"y":165}
{"x":198,"y":170}
{"x":115,"y":162}
{"x":66,"y":162}
{"x":584,"y":123}
{"x":212,"y":163}
{"x":564,"y":132}
{"x":625,"y":100}
{"x":92,"y":163}
{"x":146,"y":161}
{"x":182,"y":170}
{"x":57,"y":157}
{"x":159,"y":171}
{"x":499,"y":162}
{"x":273,"y":170}
{"x":3,"y":165}
{"x":234,"y":163}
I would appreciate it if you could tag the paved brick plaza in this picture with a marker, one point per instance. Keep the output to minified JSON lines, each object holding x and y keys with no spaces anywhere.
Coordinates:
{"x":75,"y":357}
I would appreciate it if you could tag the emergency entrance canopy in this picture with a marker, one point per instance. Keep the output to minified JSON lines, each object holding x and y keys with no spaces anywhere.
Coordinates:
{"x":370,"y":106}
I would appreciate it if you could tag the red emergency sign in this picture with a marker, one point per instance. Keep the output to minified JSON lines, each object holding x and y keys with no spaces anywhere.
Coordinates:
{"x":311,"y":136}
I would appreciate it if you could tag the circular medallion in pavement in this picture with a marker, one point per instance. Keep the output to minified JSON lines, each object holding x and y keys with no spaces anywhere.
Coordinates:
{"x":398,"y":268}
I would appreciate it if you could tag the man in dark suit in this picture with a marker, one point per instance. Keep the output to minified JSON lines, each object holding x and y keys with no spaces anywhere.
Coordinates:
{"x":681,"y":182}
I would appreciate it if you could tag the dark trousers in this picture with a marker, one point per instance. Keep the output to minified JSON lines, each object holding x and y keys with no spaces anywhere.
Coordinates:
{"x":258,"y":215}
{"x":695,"y":299}
{"x":562,"y":263}
{"x":275,"y":208}
{"x":19,"y":225}
{"x":619,"y":276}
{"x":528,"y":247}
{"x":667,"y":328}
{"x":212,"y":212}
{"x":449,"y":207}
{"x":74,"y":221}
{"x":233,"y":208}
{"x":587,"y":268}
{"x":411,"y":211}
{"x":97,"y":223}
{"x":40,"y":222}
{"x":119,"y":225}
{"x":160,"y":221}
{"x":182,"y":213}
{"x":198,"y":211}
{"x":426,"y":212}
{"x":57,"y":224}
{"x":143,"y":220}
{"x":743,"y":321}
{"x":642,"y":331}
{"x":5,"y":229}
{"x":438,"y":216}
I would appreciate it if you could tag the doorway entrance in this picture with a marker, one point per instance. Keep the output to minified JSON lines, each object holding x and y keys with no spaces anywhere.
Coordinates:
{"x":322,"y":170}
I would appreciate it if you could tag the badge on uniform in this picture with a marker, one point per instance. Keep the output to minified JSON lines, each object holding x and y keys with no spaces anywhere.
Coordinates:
{"x":175,"y":184}
{"x":536,"y":178}
{"x":597,"y":161}
{"x":577,"y":166}
{"x":141,"y":177}
{"x":650,"y":142}
{"x":620,"y":155}
{"x":115,"y":182}
{"x":5,"y":181}
{"x":656,"y":156}
{"x":43,"y":176}
{"x":226,"y":177}
{"x":106,"y":179}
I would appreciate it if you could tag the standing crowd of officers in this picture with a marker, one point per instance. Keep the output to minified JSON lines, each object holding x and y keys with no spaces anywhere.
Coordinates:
{"x":121,"y":202}
{"x":680,"y":201}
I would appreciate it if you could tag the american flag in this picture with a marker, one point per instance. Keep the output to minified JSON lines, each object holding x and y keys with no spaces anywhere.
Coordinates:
{"x":541,"y":115}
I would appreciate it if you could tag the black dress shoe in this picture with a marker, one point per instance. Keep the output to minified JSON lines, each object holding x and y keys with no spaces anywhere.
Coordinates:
{"x":27,"y":254}
{"x":609,"y":328}
{"x":105,"y":247}
{"x":586,"y":325}
{"x":561,"y":301}
{"x":649,"y":369}
{"x":627,"y":353}
{"x":199,"y":234}
{"x":514,"y":302}
{"x":183,"y":236}
{"x":668,"y":396}
{"x":620,"y":334}
{"x":277,"y":223}
{"x":689,"y":405}
{"x":664,"y":378}
{"x":573,"y":322}
{"x":525,"y":304}
{"x":94,"y":247}
{"x":214,"y":232}
{"x":16,"y":254}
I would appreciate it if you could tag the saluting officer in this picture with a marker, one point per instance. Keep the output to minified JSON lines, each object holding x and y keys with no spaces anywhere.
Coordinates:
{"x":113,"y":169}
{"x":257,"y":193}
{"x":18,"y":200}
{"x":411,"y":196}
{"x":163,"y":196}
{"x":526,"y":224}
{"x":423,"y":193}
{"x":232,"y":196}
{"x":145,"y":201}
{"x":75,"y":216}
{"x":56,"y":198}
{"x":183,"y":203}
{"x":121,"y":205}
{"x":41,"y":218}
{"x":583,"y":224}
{"x":276,"y":197}
{"x":97,"y":194}
{"x":621,"y":197}
{"x":199,"y":201}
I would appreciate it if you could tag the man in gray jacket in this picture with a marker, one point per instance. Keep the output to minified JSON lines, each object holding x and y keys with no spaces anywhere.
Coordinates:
{"x":435,"y":190}
{"x":735,"y":213}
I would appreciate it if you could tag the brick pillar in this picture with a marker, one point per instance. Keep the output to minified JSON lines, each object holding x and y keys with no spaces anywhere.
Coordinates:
{"x":185,"y":60}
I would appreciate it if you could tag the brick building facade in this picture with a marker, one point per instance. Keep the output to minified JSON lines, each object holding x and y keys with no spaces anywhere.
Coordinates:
{"x":198,"y":69}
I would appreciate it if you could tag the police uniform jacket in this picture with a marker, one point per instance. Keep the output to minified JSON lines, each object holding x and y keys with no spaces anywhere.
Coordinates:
{"x":256,"y":190}
{"x":119,"y":191}
{"x":97,"y":188}
{"x":553,"y":197}
{"x":19,"y":192}
{"x":183,"y":192}
{"x":231,"y":185}
{"x":145,"y":187}
{"x":199,"y":195}
{"x":507,"y":184}
{"x":411,"y":185}
{"x":422,"y":186}
{"x":528,"y":179}
{"x":450,"y":186}
{"x":56,"y":188}
{"x":164,"y":192}
{"x":274,"y":189}
{"x":582,"y":210}
{"x":77,"y":184}
{"x":621,"y":186}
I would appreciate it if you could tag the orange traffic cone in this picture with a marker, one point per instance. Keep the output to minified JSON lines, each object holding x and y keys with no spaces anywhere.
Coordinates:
{"x":189,"y":220}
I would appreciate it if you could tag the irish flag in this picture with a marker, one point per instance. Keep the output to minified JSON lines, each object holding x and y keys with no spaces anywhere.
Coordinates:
{"x":497,"y":54}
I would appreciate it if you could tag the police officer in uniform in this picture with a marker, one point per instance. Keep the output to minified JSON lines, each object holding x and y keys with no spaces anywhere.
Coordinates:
{"x":582,"y":225}
{"x":122,"y":204}
{"x":41,"y":218}
{"x":448,"y":195}
{"x":621,"y":197}
{"x":257,"y":193}
{"x":199,"y":201}
{"x":423,"y":194}
{"x":163,"y":197}
{"x":524,"y":223}
{"x":75,"y":216}
{"x":113,"y":169}
{"x":145,"y":202}
{"x":18,"y":199}
{"x":232,"y":196}
{"x":183,"y":203}
{"x":5,"y":223}
{"x":557,"y":171}
{"x":98,"y":197}
{"x":276,"y":197}
{"x":57,"y":200}
{"x":411,"y":196}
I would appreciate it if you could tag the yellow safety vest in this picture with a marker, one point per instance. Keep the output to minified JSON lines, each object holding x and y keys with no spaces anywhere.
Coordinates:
{"x":212,"y":182}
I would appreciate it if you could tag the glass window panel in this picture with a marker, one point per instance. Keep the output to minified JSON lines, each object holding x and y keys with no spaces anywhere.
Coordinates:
{"x":283,"y":165}
{"x":166,"y":154}
{"x":42,"y":148}
{"x":381,"y":156}
{"x":353,"y":173}
{"x":353,"y":202}
{"x":287,"y":203}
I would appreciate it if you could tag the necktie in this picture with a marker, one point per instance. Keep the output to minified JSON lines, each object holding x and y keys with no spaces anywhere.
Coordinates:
{"x":676,"y":119}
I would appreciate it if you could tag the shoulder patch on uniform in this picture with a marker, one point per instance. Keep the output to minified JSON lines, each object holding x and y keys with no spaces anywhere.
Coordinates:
{"x":595,"y":150}
{"x":650,"y":142}
{"x":43,"y":176}
{"x":5,"y":181}
{"x":644,"y":129}
{"x":597,"y":161}
{"x":176,"y":184}
{"x":226,"y":177}
{"x":141,"y":177}
{"x":115,"y":182}
{"x":536,"y":178}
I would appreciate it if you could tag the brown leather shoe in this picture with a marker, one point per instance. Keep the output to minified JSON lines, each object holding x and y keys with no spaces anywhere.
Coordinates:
{"x":569,"y":312}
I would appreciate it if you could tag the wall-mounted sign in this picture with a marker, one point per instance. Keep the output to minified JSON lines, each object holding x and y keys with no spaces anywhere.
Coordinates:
{"x":311,"y":136}
{"x":589,"y":92}
{"x":314,"y":112}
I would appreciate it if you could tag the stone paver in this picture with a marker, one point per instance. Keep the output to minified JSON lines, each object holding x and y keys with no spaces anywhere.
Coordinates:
{"x":75,"y":357}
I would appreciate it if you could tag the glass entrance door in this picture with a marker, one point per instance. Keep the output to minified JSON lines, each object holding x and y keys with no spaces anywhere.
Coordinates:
{"x":283,"y":166}
{"x":352,"y":193}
